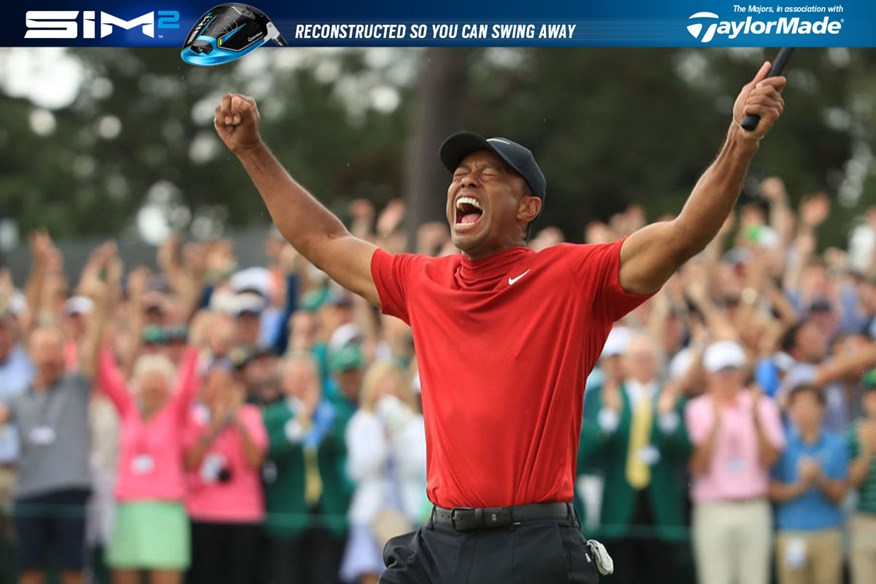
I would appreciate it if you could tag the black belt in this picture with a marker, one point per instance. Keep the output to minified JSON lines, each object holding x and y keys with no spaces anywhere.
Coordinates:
{"x":468,"y":518}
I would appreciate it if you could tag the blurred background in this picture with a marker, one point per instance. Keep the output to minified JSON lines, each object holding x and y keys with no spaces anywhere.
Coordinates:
{"x":119,"y":142}
{"x":117,"y":146}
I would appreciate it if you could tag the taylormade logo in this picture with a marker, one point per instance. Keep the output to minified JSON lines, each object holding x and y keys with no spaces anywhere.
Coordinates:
{"x":706,"y":25}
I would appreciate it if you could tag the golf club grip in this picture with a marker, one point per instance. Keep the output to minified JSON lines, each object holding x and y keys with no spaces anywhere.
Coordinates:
{"x":750,"y":122}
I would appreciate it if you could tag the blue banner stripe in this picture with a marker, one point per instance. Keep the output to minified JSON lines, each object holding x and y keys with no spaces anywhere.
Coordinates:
{"x":631,"y":23}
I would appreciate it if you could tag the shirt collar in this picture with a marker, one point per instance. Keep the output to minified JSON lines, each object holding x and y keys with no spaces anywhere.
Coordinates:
{"x":486,"y":273}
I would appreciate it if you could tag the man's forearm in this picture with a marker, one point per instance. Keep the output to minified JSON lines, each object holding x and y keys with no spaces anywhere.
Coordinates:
{"x":846,"y":364}
{"x":716,"y":192}
{"x":312,"y":229}
{"x":835,"y":490}
{"x":652,"y":254}
{"x":251,"y":451}
{"x":767,"y":453}
{"x":301,"y":219}
{"x":701,"y":458}
{"x":780,"y":492}
{"x":859,"y":469}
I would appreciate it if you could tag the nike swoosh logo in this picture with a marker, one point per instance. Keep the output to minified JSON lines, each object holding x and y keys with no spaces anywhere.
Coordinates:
{"x":512,"y":281}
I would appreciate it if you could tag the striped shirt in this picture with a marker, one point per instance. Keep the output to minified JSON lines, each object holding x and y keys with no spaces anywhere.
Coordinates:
{"x":867,"y":490}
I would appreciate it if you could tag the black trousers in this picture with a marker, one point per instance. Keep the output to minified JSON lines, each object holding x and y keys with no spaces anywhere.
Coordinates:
{"x":538,"y":552}
{"x":313,"y":557}
{"x":223,"y":552}
{"x":641,"y":557}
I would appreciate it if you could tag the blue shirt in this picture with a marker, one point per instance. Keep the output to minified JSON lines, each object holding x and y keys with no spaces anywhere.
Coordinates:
{"x":812,"y":509}
{"x":16,"y":373}
{"x":766,"y":375}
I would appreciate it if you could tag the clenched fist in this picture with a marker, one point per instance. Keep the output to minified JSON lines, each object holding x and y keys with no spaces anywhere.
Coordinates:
{"x":762,"y":97}
{"x":236,"y":120}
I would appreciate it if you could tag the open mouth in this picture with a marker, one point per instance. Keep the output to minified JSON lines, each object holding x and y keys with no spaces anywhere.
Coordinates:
{"x":468,"y":211}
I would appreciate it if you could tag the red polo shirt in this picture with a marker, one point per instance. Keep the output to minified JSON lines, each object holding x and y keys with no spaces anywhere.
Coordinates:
{"x":504,"y":345}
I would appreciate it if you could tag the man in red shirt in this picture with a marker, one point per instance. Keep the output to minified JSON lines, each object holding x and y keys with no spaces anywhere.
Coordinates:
{"x":505,"y":336}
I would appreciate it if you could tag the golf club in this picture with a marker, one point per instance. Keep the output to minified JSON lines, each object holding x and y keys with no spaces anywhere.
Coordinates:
{"x":227,"y":32}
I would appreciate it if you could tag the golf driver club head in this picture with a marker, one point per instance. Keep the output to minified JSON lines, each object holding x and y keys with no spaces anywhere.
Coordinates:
{"x":227,"y":32}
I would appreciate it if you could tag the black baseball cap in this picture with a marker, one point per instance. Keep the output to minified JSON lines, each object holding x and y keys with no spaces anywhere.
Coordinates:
{"x":459,"y":145}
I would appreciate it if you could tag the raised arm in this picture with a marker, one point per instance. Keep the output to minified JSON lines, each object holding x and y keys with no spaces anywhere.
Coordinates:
{"x":110,"y":380}
{"x":311,"y":228}
{"x":137,"y":284}
{"x":184,"y":268}
{"x":103,"y":286}
{"x":41,"y":247}
{"x":652,"y":254}
{"x":187,"y":382}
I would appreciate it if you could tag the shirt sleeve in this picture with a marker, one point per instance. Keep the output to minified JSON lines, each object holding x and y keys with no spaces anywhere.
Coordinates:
{"x":838,"y":465}
{"x":110,"y":380}
{"x":367,"y":450}
{"x":695,"y":419}
{"x":256,"y":428}
{"x":597,"y":266}
{"x":392,"y":274}
{"x":771,"y":422}
{"x":608,"y":420}
{"x":187,"y":383}
{"x":779,"y":471}
{"x":81,"y":383}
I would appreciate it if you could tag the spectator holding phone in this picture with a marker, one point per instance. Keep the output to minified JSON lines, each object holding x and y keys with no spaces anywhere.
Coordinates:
{"x":225,"y":445}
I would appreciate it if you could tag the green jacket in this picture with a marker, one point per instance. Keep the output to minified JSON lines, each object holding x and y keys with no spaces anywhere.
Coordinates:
{"x":288,"y":513}
{"x":607,"y":452}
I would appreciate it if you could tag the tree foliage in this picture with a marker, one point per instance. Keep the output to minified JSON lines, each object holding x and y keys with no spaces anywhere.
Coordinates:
{"x":609,"y":126}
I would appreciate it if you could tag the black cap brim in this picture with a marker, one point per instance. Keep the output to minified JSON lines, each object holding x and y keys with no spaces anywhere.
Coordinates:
{"x":460,"y":144}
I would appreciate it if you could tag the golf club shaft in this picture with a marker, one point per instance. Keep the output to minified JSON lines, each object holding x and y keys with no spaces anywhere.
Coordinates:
{"x":750,"y":122}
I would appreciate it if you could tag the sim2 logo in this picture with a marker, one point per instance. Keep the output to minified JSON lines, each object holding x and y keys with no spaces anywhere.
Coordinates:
{"x":75,"y":24}
{"x":706,"y":25}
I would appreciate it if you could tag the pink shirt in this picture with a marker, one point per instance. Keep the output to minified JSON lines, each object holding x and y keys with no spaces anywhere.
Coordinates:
{"x":238,"y":499}
{"x":734,"y":472}
{"x":150,"y":453}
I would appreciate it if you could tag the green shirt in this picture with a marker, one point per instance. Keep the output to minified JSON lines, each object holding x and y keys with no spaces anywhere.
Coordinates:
{"x":867,"y":490}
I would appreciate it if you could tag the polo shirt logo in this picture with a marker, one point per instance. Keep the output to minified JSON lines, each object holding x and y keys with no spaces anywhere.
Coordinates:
{"x":512,"y":281}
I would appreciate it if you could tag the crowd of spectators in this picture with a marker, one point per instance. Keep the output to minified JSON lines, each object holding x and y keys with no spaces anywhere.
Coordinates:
{"x":206,"y":422}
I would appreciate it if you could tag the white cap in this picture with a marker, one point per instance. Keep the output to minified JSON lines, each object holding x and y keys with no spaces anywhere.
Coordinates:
{"x":344,"y":335}
{"x":78,"y":305}
{"x":769,"y":237}
{"x":248,"y":302}
{"x":224,"y":301}
{"x":617,"y":342}
{"x":723,"y":354}
{"x":253,"y":280}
